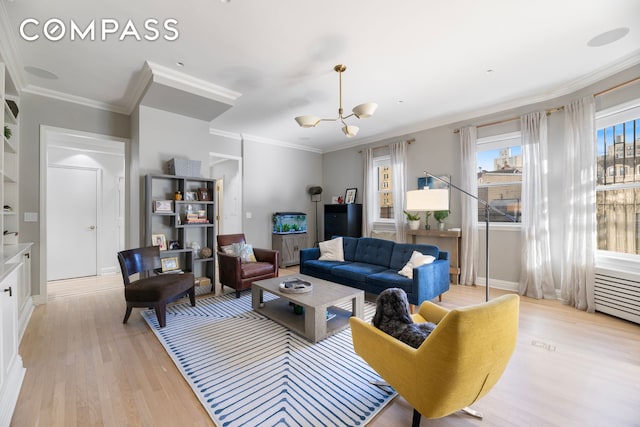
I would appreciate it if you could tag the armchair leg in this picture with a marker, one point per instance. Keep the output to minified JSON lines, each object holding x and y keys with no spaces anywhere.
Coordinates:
{"x":127,"y":313}
{"x":416,"y":418}
{"x":237,"y":294}
{"x":161,"y":313}
{"x":440,"y":298}
{"x":469,"y":410}
{"x":192,"y":296}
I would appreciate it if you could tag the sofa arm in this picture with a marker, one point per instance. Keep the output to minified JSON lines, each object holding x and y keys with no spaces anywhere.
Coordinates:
{"x":229,"y":269}
{"x":308,"y":254}
{"x":430,"y":280}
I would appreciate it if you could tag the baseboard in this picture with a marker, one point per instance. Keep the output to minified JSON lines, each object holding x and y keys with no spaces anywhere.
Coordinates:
{"x":11,"y":390}
{"x":499,"y":284}
{"x":25,"y":316}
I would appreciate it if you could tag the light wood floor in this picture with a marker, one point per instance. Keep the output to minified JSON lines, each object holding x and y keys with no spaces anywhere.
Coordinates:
{"x":85,"y":368}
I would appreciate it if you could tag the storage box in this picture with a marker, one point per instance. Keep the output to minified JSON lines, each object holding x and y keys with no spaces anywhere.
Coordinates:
{"x":184,"y":167}
{"x":202,"y":281}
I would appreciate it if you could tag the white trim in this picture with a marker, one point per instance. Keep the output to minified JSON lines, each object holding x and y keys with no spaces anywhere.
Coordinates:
{"x":497,"y":284}
{"x":52,"y":133}
{"x":10,"y":53}
{"x":225,"y":134}
{"x":61,"y":96}
{"x":278,"y":143}
{"x":501,"y":226}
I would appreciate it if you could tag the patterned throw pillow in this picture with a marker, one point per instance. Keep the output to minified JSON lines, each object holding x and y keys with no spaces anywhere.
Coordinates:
{"x":228,"y":250}
{"x":245,"y":252}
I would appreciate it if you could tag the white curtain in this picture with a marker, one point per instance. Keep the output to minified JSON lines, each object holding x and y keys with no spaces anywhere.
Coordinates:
{"x":368,"y":192}
{"x":579,"y":205}
{"x":398,"y":157}
{"x":469,"y":207}
{"x":536,"y":279}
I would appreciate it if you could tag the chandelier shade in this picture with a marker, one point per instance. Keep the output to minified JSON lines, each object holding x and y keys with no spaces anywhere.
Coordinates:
{"x":361,"y":111}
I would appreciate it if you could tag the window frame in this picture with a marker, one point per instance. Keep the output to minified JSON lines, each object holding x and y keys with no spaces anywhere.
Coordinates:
{"x":621,"y":113}
{"x":378,"y":161}
{"x":496,"y":142}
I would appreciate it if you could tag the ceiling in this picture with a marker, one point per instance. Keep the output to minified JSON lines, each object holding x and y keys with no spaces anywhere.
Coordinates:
{"x":425,"y":63}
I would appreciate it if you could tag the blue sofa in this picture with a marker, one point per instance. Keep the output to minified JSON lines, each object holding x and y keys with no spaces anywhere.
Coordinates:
{"x":372,"y":265}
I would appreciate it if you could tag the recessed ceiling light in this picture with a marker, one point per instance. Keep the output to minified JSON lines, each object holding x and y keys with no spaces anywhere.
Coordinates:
{"x":400,"y":101}
{"x":180,"y":64}
{"x":489,"y":71}
{"x":40,"y":72}
{"x":608,"y":37}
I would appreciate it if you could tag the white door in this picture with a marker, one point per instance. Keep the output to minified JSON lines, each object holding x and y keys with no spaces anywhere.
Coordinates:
{"x":71,"y":222}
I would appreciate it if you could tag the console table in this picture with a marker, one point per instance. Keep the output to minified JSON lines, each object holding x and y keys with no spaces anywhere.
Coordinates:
{"x":445,"y":240}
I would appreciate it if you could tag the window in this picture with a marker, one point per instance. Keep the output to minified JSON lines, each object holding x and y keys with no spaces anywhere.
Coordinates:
{"x":499,"y":160}
{"x":618,"y":190}
{"x":384,"y":194}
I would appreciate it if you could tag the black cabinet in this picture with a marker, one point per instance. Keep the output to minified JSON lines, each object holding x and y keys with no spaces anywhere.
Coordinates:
{"x":342,"y":220}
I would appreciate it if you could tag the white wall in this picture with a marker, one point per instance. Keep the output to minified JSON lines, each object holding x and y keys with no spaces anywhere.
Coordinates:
{"x":437,"y":150}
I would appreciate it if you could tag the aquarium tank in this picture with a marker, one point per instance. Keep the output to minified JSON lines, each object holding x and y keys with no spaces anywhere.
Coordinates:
{"x":289,"y":222}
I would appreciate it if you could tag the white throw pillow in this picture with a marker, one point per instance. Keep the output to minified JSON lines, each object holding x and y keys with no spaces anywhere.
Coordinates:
{"x":416,"y":260}
{"x":331,"y":250}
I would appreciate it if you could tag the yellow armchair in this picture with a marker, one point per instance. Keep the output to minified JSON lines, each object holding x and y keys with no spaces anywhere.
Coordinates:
{"x":459,"y":362}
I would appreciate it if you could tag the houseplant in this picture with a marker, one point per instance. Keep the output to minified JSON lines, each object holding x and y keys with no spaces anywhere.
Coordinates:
{"x":414,"y":220}
{"x":440,"y":216}
{"x":7,"y":132}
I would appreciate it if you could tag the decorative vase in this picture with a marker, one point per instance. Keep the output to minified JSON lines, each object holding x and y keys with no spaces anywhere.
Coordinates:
{"x":414,"y":225}
{"x":441,"y":226}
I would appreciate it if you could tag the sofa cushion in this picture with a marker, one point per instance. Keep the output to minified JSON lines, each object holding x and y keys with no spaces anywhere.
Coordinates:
{"x":378,"y":282}
{"x":331,"y":250}
{"x":350,"y":244}
{"x":323,"y":266}
{"x":375,"y":251}
{"x":256,"y":269}
{"x":356,"y":271}
{"x":402,"y":253}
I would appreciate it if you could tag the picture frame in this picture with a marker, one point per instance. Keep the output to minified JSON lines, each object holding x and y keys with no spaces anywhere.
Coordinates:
{"x":204,"y":195}
{"x":174,"y":245}
{"x":159,"y":240}
{"x":170,"y":264}
{"x":350,"y":196}
{"x":163,"y":206}
{"x":190,"y":196}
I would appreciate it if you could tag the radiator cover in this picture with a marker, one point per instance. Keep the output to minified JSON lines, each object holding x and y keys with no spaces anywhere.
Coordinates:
{"x":618,"y":293}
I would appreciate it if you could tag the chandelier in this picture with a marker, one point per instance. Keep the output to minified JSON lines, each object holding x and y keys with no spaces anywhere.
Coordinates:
{"x":361,"y":111}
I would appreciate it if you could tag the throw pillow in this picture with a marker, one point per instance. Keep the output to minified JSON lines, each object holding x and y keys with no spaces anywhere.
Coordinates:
{"x":245,"y":252}
{"x":331,"y":250}
{"x":228,"y":250}
{"x":417,"y":259}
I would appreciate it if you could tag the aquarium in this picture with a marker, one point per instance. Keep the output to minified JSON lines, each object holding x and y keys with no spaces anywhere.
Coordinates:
{"x":289,"y":222}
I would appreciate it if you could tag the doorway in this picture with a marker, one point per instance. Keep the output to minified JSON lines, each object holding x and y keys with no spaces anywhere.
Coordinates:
{"x":82,"y":198}
{"x":227,"y":171}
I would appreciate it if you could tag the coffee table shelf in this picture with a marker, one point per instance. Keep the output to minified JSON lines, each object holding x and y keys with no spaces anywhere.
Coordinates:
{"x":312,"y":324}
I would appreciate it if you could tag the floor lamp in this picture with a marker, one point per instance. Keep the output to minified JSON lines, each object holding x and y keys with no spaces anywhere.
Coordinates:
{"x":438,"y":200}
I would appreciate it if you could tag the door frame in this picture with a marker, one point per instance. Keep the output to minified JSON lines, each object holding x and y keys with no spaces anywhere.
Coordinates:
{"x":99,"y":208}
{"x":239,"y":160}
{"x":47,"y":136}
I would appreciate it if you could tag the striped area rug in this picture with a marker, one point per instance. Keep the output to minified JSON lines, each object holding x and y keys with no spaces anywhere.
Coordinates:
{"x":249,"y":371}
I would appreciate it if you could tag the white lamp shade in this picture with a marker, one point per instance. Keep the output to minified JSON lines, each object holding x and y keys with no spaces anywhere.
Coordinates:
{"x":350,"y":131}
{"x":308,"y":121}
{"x":428,"y":200}
{"x":365,"y":110}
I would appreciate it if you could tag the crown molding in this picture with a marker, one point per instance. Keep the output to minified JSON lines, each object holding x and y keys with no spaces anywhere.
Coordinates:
{"x":225,"y":134}
{"x":254,"y":138}
{"x":9,"y":51}
{"x":179,"y":80}
{"x":134,"y":96}
{"x":61,"y":96}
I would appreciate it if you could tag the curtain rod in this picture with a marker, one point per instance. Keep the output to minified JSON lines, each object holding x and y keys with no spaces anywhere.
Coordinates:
{"x":553,"y":110}
{"x":409,"y":141}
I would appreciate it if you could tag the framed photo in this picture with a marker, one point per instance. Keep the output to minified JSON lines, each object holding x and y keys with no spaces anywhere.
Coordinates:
{"x":350,"y":196}
{"x":174,"y":244}
{"x":169,"y":264}
{"x":163,"y":206}
{"x":190,"y":195}
{"x":159,"y":240}
{"x":204,"y":194}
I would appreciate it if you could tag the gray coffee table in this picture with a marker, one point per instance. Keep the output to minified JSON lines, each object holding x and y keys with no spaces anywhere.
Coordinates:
{"x":313,"y":324}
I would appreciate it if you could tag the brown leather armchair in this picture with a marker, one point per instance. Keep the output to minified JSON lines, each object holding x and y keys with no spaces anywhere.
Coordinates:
{"x":238,"y":275}
{"x":153,"y":291}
